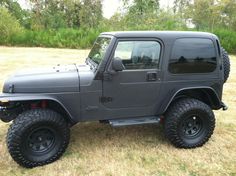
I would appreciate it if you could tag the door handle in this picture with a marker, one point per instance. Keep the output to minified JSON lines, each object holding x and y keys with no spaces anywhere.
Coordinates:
{"x":151,"y":76}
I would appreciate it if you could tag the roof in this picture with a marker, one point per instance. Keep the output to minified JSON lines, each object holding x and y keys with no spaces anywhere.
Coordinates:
{"x":160,"y":34}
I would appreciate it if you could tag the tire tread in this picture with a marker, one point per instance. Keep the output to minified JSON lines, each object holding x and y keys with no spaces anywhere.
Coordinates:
{"x":23,"y":122}
{"x":173,"y":117}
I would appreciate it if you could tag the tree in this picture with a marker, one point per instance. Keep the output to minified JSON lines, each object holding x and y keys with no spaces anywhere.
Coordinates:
{"x":142,"y":7}
{"x":90,"y":13}
{"x":228,"y":13}
{"x":208,"y":14}
{"x":55,"y":14}
{"x":72,"y":10}
{"x":140,"y":13}
{"x":9,"y":26}
{"x":15,"y":10}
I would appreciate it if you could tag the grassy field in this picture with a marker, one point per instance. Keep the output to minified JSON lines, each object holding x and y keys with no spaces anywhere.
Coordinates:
{"x":97,"y":149}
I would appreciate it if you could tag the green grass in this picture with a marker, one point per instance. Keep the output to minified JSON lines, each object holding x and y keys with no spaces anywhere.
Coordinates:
{"x":98,"y":149}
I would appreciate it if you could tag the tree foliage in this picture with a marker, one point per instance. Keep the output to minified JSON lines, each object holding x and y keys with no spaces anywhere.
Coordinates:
{"x":9,"y":25}
{"x":90,"y":13}
{"x":15,"y":10}
{"x":55,"y":14}
{"x":147,"y":15}
{"x":137,"y":14}
{"x":208,"y":14}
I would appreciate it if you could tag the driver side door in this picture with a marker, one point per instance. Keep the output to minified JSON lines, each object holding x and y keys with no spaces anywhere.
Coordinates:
{"x":137,"y":86}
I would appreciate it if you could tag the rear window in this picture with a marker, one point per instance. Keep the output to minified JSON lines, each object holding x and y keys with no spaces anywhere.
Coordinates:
{"x":193,"y":55}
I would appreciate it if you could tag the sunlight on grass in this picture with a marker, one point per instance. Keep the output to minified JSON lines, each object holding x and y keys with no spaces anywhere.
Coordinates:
{"x":97,"y":149}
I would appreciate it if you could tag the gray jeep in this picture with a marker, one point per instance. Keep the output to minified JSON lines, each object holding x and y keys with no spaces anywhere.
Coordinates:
{"x":129,"y":78}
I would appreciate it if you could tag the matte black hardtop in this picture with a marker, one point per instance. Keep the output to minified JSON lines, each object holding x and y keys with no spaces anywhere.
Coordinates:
{"x":160,"y":34}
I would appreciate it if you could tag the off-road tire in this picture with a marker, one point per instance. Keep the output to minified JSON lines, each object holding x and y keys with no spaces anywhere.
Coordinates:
{"x":176,"y":123}
{"x":226,"y":64}
{"x":25,"y":129}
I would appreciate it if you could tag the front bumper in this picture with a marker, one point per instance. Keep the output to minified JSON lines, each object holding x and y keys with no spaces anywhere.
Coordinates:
{"x":8,"y":110}
{"x":8,"y":113}
{"x":5,"y":114}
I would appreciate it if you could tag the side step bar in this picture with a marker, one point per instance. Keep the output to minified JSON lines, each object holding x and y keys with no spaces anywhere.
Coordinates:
{"x":134,"y":121}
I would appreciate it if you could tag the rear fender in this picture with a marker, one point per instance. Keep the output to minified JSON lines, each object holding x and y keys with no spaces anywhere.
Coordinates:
{"x":205,"y":94}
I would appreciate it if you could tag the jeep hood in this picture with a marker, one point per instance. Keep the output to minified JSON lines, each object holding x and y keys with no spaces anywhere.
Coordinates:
{"x":48,"y":80}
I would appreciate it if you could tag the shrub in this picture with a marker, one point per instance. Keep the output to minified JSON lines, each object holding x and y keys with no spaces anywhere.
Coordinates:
{"x":227,"y":39}
{"x":61,"y":38}
{"x":84,"y":38}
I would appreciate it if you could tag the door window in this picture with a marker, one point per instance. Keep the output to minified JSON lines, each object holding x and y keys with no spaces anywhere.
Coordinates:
{"x":139,"y":54}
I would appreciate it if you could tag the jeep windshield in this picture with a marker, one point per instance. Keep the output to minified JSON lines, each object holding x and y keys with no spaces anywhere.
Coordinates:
{"x":99,"y":49}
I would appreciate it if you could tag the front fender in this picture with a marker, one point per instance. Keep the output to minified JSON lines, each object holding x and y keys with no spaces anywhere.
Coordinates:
{"x":70,"y":102}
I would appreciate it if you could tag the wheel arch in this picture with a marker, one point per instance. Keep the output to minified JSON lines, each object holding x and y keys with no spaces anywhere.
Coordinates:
{"x":61,"y":107}
{"x":205,"y":94}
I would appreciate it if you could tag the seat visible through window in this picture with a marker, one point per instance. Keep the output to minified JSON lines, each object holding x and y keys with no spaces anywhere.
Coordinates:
{"x":139,"y":54}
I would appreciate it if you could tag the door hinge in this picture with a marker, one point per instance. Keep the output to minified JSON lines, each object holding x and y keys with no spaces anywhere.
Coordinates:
{"x":107,"y":76}
{"x":105,"y":99}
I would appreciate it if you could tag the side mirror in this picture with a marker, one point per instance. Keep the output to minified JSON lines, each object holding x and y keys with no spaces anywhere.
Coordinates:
{"x":117,"y":64}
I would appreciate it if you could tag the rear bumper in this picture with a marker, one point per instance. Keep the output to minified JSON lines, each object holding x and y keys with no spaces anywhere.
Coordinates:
{"x":224,"y":106}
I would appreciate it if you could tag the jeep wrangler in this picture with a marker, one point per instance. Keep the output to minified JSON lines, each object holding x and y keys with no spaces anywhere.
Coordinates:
{"x":129,"y":78}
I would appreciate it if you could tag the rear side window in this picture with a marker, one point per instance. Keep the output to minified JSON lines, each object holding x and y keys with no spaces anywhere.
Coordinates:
{"x":193,"y":55}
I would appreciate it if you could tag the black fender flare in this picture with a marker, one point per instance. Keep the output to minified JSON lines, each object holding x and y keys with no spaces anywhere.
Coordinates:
{"x":212,"y":96}
{"x":6,"y":97}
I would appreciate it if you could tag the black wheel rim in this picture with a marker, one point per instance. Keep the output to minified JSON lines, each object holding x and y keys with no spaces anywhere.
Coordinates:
{"x":41,"y":140}
{"x":191,"y":126}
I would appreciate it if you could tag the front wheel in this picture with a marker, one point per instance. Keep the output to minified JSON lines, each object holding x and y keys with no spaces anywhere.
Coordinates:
{"x":189,"y":123}
{"x":37,"y":137}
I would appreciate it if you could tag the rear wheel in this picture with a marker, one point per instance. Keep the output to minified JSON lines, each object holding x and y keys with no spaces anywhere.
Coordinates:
{"x":37,"y":137}
{"x":189,"y":123}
